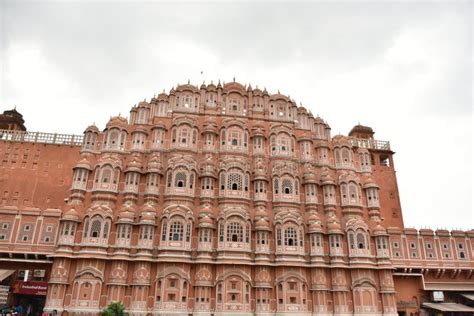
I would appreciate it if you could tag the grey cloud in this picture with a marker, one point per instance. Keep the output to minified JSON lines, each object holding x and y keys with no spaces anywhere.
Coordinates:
{"x":334,"y":57}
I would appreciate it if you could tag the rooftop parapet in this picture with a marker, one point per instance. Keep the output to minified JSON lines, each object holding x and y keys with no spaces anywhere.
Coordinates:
{"x":39,"y":137}
{"x":370,"y":143}
{"x":430,"y":232}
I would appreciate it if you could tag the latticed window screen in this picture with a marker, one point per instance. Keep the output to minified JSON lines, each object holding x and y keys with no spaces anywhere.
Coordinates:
{"x":86,"y":227}
{"x":353,"y":192}
{"x":221,"y":231}
{"x":360,"y":241}
{"x":234,"y":181}
{"x":351,"y":240}
{"x":180,"y":180}
{"x":163,"y":230}
{"x":234,"y":232}
{"x":291,"y":237}
{"x":106,"y":175}
{"x":106,"y":230}
{"x":283,"y":144}
{"x":188,"y":232}
{"x":66,"y":229}
{"x":287,"y":186}
{"x":279,"y":236}
{"x":183,"y":135}
{"x":191,"y":180}
{"x":275,"y":186}
{"x":176,"y":231}
{"x":222,"y":180}
{"x":95,"y":228}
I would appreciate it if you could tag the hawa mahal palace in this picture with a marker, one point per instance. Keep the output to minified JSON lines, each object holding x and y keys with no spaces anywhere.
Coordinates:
{"x":219,"y":200}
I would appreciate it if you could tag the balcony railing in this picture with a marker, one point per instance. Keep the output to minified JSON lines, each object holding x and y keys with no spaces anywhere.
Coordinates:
{"x":371,"y":143}
{"x":39,"y":137}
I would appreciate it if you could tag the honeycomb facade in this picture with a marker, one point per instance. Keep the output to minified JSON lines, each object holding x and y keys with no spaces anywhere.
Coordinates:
{"x":225,"y":199}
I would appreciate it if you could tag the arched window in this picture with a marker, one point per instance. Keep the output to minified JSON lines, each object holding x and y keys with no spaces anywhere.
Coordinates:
{"x":291,"y":238}
{"x":95,"y":228}
{"x":176,"y":231}
{"x":234,"y":181}
{"x":180,"y":180}
{"x":360,"y":241}
{"x":287,"y":186}
{"x":346,"y":156}
{"x":234,"y":232}
{"x":353,"y":193}
{"x":106,"y":175}
{"x":86,"y":227}
{"x":163,"y":230}
{"x":66,"y":229}
{"x":105,"y":233}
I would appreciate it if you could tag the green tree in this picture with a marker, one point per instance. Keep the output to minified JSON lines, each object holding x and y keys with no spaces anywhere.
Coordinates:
{"x":114,"y":309}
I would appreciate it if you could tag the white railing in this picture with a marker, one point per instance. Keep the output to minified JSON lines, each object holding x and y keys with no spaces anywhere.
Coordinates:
{"x":39,"y":137}
{"x":371,"y":143}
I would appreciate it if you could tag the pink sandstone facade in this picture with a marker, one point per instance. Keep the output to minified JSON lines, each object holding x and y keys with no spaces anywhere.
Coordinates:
{"x":218,"y":200}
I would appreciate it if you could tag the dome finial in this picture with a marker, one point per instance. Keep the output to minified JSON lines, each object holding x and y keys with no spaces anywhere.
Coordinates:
{"x":234,"y":78}
{"x":188,"y":81}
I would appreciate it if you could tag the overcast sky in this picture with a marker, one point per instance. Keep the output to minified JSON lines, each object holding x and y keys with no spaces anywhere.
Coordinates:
{"x":403,"y":68}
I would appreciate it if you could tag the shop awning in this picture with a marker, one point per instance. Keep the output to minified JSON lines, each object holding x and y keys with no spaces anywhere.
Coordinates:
{"x":449,"y":286}
{"x":448,"y":307}
{"x":469,"y":296}
{"x":5,"y":274}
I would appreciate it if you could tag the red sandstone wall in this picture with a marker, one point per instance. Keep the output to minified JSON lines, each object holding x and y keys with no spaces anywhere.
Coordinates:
{"x":385,"y":177}
{"x":36,"y":175}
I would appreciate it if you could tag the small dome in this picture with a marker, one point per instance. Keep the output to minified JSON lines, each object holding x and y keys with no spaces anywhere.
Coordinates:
{"x":210,"y":127}
{"x":318,"y":120}
{"x":315,"y":227}
{"x":205,"y":221}
{"x":127,"y":213}
{"x":379,"y":231}
{"x":126,"y":216}
{"x":334,"y":227}
{"x":83,"y":164}
{"x":162,"y":96}
{"x":117,"y":121}
{"x":370,"y":183}
{"x":326,"y":178}
{"x":262,"y":224}
{"x":143,"y":104}
{"x":211,"y":87}
{"x":257,"y":92}
{"x":203,"y":86}
{"x":148,"y":214}
{"x":154,"y":164}
{"x":71,"y":215}
{"x":134,"y":165}
{"x":92,"y":128}
{"x":309,"y":177}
